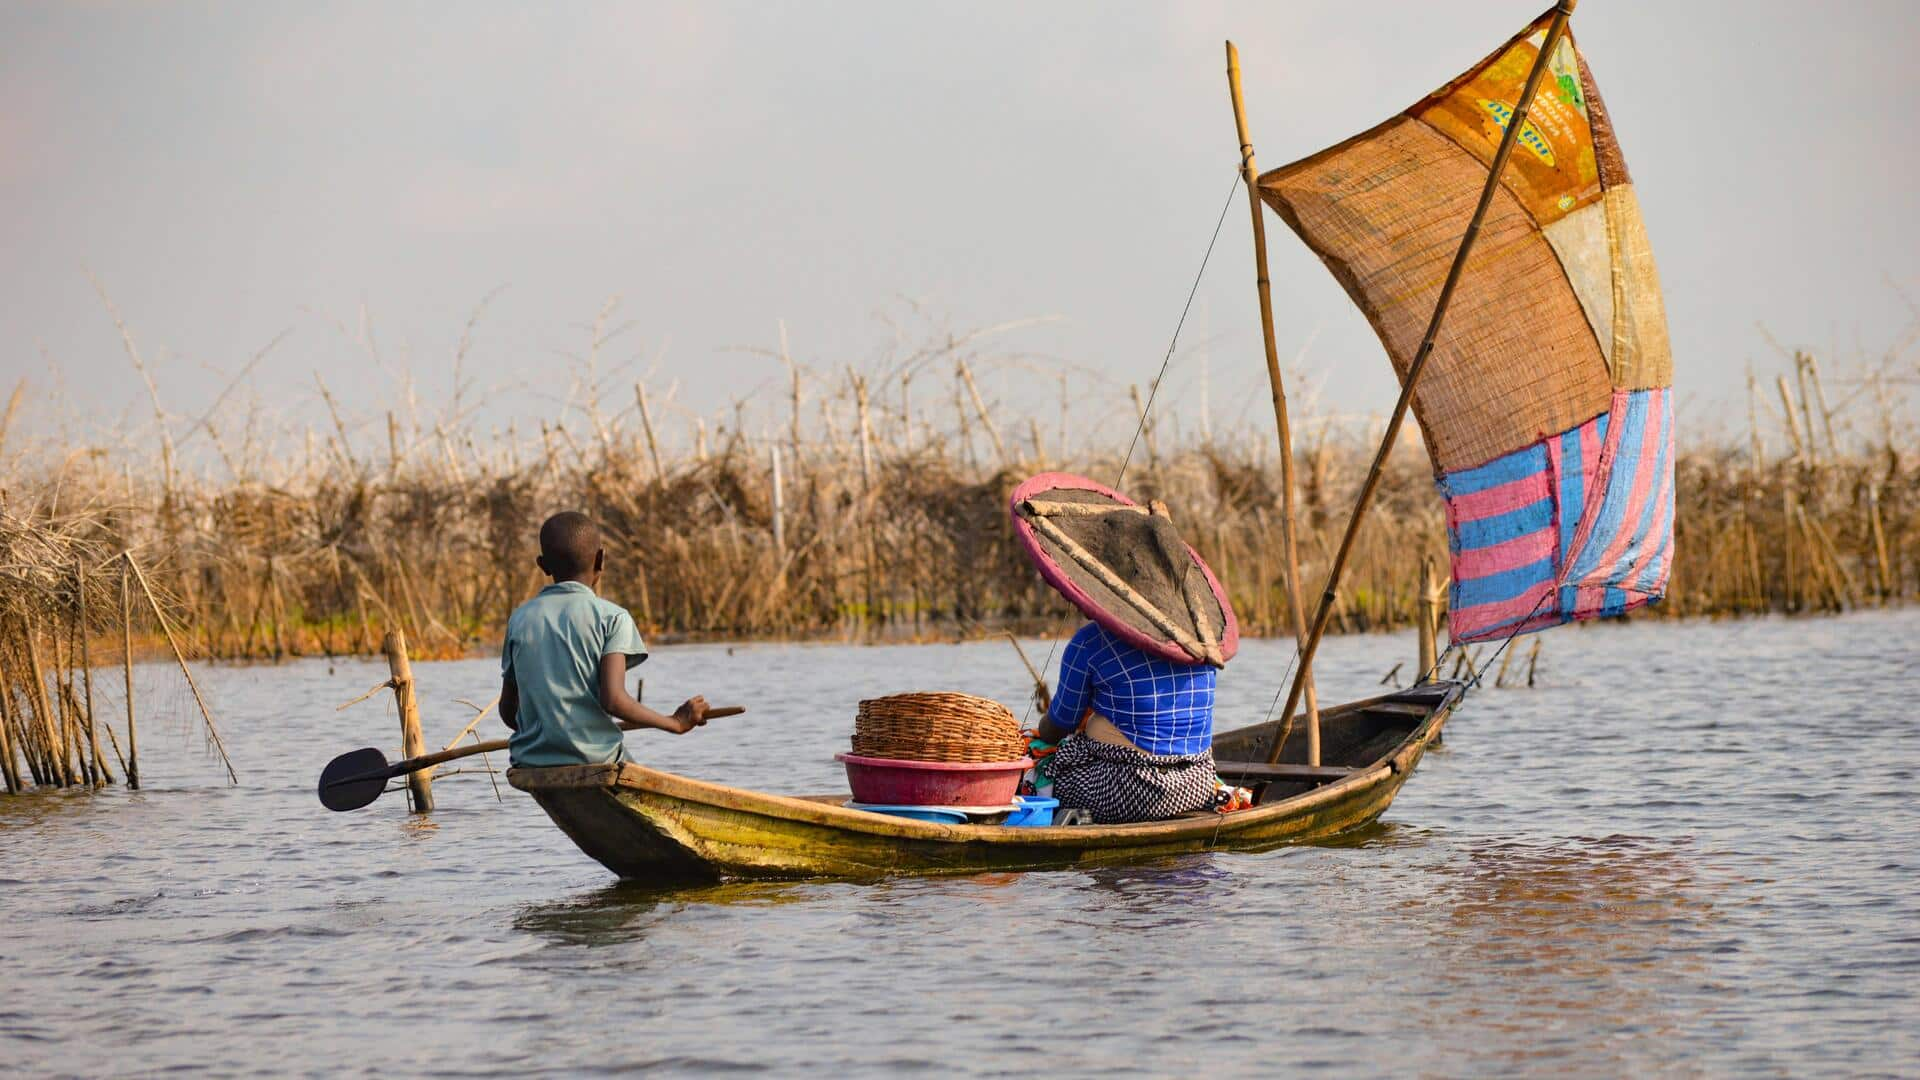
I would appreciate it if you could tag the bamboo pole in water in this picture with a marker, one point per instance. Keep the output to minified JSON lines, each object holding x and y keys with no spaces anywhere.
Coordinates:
{"x":412,"y":742}
{"x":1289,"y":523}
{"x":9,"y":767}
{"x":1515,"y":124}
{"x":13,"y":711}
{"x":58,"y":767}
{"x":180,"y":658}
{"x":126,"y":669}
{"x":68,"y":706}
{"x":23,"y":732}
{"x":100,"y":773}
{"x":1429,"y":648}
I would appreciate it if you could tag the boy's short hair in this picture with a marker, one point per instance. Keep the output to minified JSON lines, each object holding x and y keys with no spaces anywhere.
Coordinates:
{"x":568,"y":542}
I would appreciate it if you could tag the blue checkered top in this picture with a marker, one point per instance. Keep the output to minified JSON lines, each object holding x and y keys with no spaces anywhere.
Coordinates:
{"x":1164,"y":707}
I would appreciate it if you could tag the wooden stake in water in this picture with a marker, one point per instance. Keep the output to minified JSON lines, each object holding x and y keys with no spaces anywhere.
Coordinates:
{"x":9,"y":768}
{"x":126,"y":667}
{"x":412,"y":743}
{"x":58,"y":766}
{"x":100,"y":773}
{"x":173,"y":643}
{"x":1429,"y":647}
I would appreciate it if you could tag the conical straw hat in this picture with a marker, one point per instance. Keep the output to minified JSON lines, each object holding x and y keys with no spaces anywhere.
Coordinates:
{"x":1125,"y":566}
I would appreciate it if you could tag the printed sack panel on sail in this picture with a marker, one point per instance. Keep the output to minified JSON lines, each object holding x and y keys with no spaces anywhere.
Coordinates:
{"x":1546,"y":405}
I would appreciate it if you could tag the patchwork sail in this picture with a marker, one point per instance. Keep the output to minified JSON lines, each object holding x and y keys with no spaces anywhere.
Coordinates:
{"x":1546,"y":404}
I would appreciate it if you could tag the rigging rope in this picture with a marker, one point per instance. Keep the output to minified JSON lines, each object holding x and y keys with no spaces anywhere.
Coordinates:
{"x":1154,"y":391}
{"x":1517,"y":628}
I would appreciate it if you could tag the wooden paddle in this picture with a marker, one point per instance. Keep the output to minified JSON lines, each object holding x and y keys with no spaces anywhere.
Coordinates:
{"x":355,"y":779}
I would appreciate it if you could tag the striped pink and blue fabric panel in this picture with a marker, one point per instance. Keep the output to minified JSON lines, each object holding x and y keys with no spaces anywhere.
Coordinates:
{"x":1525,"y":554}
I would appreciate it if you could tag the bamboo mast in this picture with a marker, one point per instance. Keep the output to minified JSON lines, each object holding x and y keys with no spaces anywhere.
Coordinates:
{"x":1287,"y":526}
{"x":1555,"y":30}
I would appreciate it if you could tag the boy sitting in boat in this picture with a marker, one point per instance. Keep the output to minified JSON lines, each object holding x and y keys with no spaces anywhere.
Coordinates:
{"x":563,"y":667}
{"x":1145,"y":751}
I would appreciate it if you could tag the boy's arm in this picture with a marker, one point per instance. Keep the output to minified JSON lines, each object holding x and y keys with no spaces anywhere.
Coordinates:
{"x":510,"y":702}
{"x":621,"y":706}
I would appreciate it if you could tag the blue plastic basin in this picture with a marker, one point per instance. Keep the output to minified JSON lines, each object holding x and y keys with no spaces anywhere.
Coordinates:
{"x":945,"y":815}
{"x":1035,"y":811}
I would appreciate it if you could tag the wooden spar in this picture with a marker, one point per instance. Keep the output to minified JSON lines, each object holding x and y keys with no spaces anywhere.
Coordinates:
{"x":1555,"y":30}
{"x":1287,"y":525}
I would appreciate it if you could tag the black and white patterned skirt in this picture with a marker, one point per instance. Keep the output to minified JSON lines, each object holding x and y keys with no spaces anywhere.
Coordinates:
{"x":1120,"y":784}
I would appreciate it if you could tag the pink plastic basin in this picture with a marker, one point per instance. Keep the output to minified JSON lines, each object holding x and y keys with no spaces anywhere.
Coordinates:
{"x":933,"y":783}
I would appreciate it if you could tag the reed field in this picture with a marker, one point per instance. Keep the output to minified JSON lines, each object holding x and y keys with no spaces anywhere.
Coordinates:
{"x":872,"y":505}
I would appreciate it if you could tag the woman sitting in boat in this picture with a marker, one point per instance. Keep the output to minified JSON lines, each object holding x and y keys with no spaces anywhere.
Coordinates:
{"x":1135,"y":731}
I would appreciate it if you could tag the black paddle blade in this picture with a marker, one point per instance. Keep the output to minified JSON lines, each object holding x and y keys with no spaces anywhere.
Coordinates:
{"x":353,"y":780}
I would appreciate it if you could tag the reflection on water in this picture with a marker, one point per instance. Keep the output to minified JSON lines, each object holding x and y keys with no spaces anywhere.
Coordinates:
{"x":612,"y":915}
{"x":1689,"y":878}
{"x":1596,"y":929}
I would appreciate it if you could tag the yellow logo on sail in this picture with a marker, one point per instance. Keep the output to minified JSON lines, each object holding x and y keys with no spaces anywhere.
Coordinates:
{"x":1530,"y":136}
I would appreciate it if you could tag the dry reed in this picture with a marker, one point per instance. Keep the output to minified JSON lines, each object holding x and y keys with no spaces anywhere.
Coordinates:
{"x":869,"y":511}
{"x":65,"y":584}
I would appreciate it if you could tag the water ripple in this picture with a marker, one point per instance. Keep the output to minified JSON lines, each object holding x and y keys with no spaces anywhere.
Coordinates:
{"x":1662,"y":860}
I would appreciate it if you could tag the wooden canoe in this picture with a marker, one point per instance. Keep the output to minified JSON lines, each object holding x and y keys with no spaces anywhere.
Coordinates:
{"x":648,"y":825}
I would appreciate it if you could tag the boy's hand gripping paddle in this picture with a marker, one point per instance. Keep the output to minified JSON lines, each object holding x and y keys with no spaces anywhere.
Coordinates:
{"x":355,"y":779}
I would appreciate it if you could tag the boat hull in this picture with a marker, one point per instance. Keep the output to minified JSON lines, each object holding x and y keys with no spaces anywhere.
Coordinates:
{"x":648,"y":825}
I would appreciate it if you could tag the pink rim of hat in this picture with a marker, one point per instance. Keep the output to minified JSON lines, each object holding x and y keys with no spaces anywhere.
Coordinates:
{"x":1065,"y":586}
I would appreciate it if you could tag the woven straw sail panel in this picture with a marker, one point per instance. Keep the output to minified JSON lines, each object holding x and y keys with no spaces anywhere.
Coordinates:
{"x":1642,"y":356}
{"x":1553,"y":170}
{"x":1516,"y":360}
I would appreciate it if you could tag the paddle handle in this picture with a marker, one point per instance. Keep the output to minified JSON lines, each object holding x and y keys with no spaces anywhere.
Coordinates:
{"x":440,"y":757}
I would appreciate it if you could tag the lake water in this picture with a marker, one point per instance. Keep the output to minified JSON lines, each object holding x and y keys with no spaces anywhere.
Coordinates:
{"x":1693,"y":848}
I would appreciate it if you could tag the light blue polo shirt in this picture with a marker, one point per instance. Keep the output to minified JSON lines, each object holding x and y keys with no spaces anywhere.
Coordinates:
{"x":552,"y":652}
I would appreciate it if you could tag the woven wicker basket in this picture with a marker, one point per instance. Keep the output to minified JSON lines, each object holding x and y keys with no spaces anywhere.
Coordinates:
{"x":941,"y":727}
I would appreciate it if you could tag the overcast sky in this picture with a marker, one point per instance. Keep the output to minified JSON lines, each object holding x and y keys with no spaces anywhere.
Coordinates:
{"x":233,"y":171}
